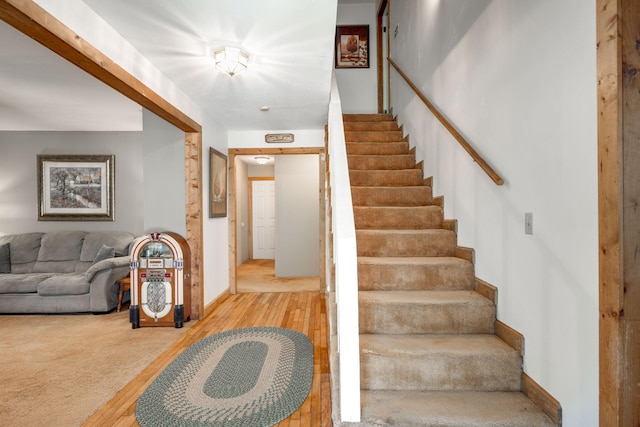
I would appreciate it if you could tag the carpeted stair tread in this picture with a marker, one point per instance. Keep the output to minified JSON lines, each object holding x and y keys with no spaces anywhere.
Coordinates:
{"x":450,"y":409}
{"x":381,"y":162}
{"x":425,"y":312}
{"x":377,"y":148}
{"x":388,"y":217}
{"x":480,"y":362}
{"x":415,"y":273}
{"x":391,"y":196}
{"x":373,"y":136}
{"x":406,"y":243}
{"x":386,"y":178}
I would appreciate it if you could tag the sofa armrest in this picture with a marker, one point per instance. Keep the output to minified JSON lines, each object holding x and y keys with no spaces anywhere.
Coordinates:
{"x":103,"y":289}
{"x":106,"y":264}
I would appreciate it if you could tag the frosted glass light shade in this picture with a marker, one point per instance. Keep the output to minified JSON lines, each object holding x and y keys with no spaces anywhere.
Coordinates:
{"x":231,"y":60}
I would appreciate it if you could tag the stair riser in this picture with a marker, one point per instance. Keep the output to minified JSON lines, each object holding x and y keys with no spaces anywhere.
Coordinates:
{"x":407,"y":218}
{"x":376,"y":148}
{"x":396,"y":245}
{"x":445,"y":276}
{"x":399,"y":318}
{"x":447,"y":409}
{"x":369,"y":126}
{"x":373,"y":136}
{"x":366,"y":117}
{"x":391,"y":178}
{"x":391,"y":196}
{"x":477,"y":372}
{"x":401,"y":161}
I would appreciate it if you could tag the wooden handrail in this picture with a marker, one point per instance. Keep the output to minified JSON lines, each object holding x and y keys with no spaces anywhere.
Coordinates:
{"x":452,"y":130}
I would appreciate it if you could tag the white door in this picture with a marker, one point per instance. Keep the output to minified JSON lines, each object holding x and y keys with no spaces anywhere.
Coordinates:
{"x":264,"y":219}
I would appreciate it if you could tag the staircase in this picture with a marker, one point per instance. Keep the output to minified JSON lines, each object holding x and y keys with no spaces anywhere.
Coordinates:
{"x":429,"y":355}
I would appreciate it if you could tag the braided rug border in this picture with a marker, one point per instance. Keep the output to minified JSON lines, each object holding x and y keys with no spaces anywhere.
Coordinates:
{"x":200,"y":387}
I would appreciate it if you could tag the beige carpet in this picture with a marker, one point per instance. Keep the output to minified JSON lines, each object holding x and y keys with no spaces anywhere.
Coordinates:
{"x":58,"y":370}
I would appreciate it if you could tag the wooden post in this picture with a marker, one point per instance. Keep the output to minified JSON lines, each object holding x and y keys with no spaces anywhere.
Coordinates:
{"x":618,"y":35}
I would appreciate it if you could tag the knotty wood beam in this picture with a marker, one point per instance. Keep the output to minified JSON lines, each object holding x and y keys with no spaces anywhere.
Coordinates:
{"x":618,"y":29}
{"x":32,"y":20}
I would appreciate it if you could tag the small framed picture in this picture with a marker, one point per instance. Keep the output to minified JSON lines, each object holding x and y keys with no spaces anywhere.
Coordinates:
{"x":352,"y":46}
{"x":217,"y":184}
{"x":76,"y":187}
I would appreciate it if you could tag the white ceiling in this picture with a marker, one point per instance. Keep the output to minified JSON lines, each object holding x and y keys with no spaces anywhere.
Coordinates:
{"x":41,"y":91}
{"x":290,"y":43}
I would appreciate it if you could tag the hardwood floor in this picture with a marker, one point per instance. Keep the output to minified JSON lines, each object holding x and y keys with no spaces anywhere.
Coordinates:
{"x":258,"y":275}
{"x":301,"y":311}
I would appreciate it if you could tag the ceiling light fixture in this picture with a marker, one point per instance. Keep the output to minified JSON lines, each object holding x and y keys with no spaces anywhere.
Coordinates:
{"x":231,"y":60}
{"x":262,"y":160}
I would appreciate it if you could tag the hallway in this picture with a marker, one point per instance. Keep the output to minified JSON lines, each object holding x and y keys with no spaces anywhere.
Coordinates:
{"x":258,"y":275}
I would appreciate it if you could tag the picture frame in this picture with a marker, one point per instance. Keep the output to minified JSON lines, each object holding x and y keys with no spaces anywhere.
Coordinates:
{"x":352,"y":46}
{"x":76,"y":187}
{"x":217,"y":184}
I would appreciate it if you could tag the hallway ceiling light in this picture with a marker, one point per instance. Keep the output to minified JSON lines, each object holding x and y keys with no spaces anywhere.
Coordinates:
{"x":262,"y":160}
{"x":231,"y":60}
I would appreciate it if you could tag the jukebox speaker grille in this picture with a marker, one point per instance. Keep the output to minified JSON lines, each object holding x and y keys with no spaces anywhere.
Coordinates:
{"x":156,"y":297}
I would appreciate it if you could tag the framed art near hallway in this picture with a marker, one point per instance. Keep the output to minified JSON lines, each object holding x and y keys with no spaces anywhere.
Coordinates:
{"x":352,"y":46}
{"x":217,"y":184}
{"x":76,"y":187}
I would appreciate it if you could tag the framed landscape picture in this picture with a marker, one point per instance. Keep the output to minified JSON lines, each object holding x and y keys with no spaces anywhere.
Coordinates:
{"x":352,"y":46}
{"x":76,"y":187}
{"x":217,"y":184}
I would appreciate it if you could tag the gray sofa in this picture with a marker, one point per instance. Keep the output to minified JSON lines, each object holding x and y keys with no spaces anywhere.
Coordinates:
{"x":62,"y":271}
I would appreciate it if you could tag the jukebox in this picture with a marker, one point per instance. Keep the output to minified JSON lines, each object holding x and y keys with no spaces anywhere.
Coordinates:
{"x":160,"y":281}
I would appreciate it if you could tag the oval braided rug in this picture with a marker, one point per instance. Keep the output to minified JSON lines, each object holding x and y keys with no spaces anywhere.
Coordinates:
{"x":243,"y":377}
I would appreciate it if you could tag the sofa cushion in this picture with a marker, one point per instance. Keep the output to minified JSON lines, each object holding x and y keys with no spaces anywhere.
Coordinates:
{"x":5,"y":258}
{"x":64,"y":284}
{"x":61,"y":246}
{"x":94,"y":241}
{"x":24,"y":250}
{"x":21,"y":283}
{"x":59,"y":252}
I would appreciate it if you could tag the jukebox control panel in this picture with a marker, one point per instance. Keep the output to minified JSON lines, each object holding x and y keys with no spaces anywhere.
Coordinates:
{"x":160,"y":281}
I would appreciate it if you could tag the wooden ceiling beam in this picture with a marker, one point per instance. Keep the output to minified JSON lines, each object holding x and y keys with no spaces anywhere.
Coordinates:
{"x":35,"y":22}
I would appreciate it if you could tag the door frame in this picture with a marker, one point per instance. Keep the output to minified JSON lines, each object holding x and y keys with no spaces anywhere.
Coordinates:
{"x":383,"y":7}
{"x":233,"y":203}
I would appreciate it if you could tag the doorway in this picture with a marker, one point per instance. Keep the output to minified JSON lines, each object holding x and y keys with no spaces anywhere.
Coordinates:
{"x":382,"y":34}
{"x":248,"y":269}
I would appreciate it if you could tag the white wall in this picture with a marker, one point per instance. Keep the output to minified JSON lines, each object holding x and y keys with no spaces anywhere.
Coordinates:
{"x":215,"y":230}
{"x":255,"y":138}
{"x":518,"y":79}
{"x":18,"y":178}
{"x":164,"y":184}
{"x":359,"y":86}
{"x":297,"y":215}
